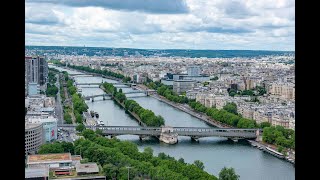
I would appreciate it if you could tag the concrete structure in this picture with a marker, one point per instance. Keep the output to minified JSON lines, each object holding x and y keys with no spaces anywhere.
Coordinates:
{"x":193,"y":132}
{"x":34,"y":137}
{"x":52,"y":161}
{"x":180,"y":86}
{"x":193,"y":71}
{"x":33,"y":88}
{"x":49,"y":126}
{"x":87,"y":168}
{"x":36,"y":71}
{"x":37,"y":173}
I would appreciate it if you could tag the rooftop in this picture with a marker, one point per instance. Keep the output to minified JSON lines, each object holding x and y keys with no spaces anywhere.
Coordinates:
{"x":44,"y":158}
{"x":36,"y":172}
{"x":87,"y":168}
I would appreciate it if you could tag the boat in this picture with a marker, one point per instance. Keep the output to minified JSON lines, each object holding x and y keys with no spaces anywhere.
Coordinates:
{"x":101,"y":123}
{"x":92,"y":113}
{"x":96,"y":114}
{"x":273,"y":152}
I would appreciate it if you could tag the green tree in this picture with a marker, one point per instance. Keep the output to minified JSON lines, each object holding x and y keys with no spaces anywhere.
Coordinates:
{"x":199,"y":164}
{"x":264,"y":124}
{"x":80,"y":127}
{"x":228,"y":174}
{"x":181,"y":160}
{"x":231,"y":107}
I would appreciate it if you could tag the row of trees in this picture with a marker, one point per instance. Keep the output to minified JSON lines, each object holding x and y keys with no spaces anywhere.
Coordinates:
{"x":224,"y":116}
{"x":98,"y":71}
{"x":66,"y":114}
{"x":114,"y":156}
{"x":165,"y":91}
{"x":79,"y":105}
{"x":52,"y":90}
{"x":279,"y":136}
{"x":147,"y":116}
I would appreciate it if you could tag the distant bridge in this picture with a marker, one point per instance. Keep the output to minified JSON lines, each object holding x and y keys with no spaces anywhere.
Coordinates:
{"x":114,"y":83}
{"x":105,"y":94}
{"x":193,"y":132}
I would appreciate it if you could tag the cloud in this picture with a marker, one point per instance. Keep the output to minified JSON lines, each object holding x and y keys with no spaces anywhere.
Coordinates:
{"x":219,"y":24}
{"x":149,"y":6}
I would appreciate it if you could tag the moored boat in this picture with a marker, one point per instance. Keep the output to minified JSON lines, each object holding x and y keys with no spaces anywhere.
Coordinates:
{"x":273,"y":152}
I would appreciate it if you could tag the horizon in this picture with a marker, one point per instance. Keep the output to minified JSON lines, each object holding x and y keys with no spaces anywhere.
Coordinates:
{"x":163,"y":49}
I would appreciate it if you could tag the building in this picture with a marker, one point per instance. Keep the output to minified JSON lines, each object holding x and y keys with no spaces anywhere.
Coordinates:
{"x":87,"y":168}
{"x":59,"y":163}
{"x":34,"y":137}
{"x":193,"y":71}
{"x":36,"y":71}
{"x":284,"y":90}
{"x":37,"y":173}
{"x":180,"y":86}
{"x":49,"y":126}
{"x":280,"y":119}
{"x":33,"y":88}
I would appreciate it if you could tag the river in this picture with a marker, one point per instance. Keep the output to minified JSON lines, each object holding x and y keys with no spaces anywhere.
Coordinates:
{"x":249,"y":162}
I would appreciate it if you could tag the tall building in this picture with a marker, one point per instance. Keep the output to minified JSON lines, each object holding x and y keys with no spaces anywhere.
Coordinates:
{"x":43,"y":70}
{"x":193,"y":71}
{"x":36,"y":71}
{"x":34,"y":137}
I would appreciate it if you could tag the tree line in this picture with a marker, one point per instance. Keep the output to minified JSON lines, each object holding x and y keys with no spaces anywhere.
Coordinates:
{"x":79,"y":105}
{"x":52,"y":89}
{"x":115,"y":155}
{"x":146,"y":116}
{"x":167,"y":92}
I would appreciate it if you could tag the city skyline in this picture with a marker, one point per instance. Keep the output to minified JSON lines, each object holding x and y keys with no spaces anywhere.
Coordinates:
{"x":218,"y":25}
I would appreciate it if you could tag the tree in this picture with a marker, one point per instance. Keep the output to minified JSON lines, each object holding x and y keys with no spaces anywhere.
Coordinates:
{"x":80,"y":127}
{"x":199,"y":164}
{"x":228,"y":174}
{"x":181,"y":160}
{"x":231,"y":107}
{"x":264,"y":124}
{"x":99,"y":132}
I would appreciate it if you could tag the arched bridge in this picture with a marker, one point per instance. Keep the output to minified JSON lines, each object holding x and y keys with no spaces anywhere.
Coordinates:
{"x":193,"y":132}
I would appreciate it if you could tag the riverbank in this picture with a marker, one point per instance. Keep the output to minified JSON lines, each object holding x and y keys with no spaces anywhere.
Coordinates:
{"x":185,"y":108}
{"x":122,"y":105}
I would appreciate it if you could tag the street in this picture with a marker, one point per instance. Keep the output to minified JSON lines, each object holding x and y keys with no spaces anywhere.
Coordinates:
{"x":58,"y":108}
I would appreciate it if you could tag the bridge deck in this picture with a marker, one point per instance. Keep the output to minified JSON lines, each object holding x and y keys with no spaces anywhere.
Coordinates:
{"x":181,"y":131}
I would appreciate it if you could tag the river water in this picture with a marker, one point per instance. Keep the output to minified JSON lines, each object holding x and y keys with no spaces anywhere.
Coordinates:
{"x":249,"y":162}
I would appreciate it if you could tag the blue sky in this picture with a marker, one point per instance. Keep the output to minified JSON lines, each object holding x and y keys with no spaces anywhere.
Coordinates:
{"x":163,"y":24}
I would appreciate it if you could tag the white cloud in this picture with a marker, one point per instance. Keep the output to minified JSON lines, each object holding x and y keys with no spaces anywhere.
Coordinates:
{"x":240,"y":24}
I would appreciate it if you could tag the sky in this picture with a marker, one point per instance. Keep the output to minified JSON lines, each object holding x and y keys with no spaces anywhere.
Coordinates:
{"x":162,"y":24}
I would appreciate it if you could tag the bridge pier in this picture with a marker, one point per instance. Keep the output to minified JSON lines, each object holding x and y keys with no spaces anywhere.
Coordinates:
{"x":195,"y":138}
{"x":92,"y":100}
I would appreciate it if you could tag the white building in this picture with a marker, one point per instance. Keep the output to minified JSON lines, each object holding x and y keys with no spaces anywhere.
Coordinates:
{"x":49,"y":126}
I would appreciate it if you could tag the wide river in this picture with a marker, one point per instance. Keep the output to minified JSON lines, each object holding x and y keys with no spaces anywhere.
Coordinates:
{"x":249,"y":162}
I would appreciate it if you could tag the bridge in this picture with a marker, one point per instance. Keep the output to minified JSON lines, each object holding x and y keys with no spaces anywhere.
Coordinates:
{"x":105,"y":94}
{"x":114,"y":83}
{"x":193,"y":132}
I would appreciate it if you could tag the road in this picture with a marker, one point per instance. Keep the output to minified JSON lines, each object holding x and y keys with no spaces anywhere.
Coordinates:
{"x":58,"y":108}
{"x":67,"y":134}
